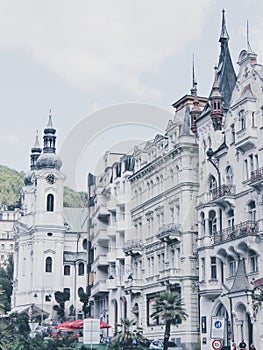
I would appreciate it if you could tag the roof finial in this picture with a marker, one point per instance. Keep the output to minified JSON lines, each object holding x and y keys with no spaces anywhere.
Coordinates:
{"x":193,"y":77}
{"x":50,"y":124}
{"x":248,"y":44}
{"x":224,"y":34}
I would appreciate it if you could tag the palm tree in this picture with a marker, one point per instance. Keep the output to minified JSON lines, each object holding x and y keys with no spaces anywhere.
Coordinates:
{"x":169,"y":307}
{"x":128,"y":339}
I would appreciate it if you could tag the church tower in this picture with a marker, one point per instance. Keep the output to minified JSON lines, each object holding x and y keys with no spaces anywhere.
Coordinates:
{"x":38,"y":258}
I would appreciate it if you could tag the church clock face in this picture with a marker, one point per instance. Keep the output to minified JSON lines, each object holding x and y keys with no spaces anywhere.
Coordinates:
{"x":50,"y":179}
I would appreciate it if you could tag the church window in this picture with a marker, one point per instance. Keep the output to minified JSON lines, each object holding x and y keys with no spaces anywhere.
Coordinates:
{"x":48,"y":264}
{"x":67,"y":270}
{"x":81,"y":269}
{"x":50,"y":202}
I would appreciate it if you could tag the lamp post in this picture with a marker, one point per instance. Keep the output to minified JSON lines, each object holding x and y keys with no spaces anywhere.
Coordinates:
{"x":122,"y":270}
{"x":210,"y":154}
{"x":42,"y":291}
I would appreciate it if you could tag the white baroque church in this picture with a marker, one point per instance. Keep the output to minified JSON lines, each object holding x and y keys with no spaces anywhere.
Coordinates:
{"x":50,"y":241}
{"x":182,"y":212}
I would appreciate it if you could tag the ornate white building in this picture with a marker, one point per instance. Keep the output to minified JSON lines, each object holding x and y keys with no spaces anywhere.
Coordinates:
{"x":50,"y":241}
{"x":229,"y":206}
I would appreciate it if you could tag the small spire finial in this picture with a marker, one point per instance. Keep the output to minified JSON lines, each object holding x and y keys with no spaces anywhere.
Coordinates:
{"x":224,"y":34}
{"x":248,"y":44}
{"x":193,"y":90}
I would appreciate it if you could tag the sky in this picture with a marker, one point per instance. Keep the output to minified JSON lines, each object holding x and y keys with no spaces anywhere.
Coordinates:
{"x":108,"y":70}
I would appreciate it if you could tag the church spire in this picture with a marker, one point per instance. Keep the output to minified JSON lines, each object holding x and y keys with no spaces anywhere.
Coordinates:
{"x":49,"y":137}
{"x":225,"y":71}
{"x":35,"y":153}
{"x":193,"y":78}
{"x":196,"y":111}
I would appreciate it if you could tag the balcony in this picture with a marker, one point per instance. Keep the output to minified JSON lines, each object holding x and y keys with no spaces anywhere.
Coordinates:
{"x":100,"y":288}
{"x":222,"y":191}
{"x":100,"y":261}
{"x":169,"y":233}
{"x":256,"y":179}
{"x":246,"y":228}
{"x":133,"y":247}
{"x":210,"y":289}
{"x":246,"y":139}
{"x":169,"y":276}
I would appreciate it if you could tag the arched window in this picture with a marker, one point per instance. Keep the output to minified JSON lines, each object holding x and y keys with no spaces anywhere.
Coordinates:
{"x":212,"y":183}
{"x":202,"y":223}
{"x":50,"y":202}
{"x":48,"y":264}
{"x":81,"y":269}
{"x":229,"y":175}
{"x":212,"y":222}
{"x":67,"y":270}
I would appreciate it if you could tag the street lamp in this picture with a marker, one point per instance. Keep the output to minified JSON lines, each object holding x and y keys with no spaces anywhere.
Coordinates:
{"x":42,"y":291}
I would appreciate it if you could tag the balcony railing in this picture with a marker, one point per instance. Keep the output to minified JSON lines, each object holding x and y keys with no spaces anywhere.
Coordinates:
{"x":245,"y":228}
{"x":257,"y":175}
{"x":169,"y":232}
{"x":133,"y":247}
{"x":221,"y":191}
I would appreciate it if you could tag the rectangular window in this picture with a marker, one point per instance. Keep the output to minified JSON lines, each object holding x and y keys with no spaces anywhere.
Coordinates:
{"x":245,"y":170}
{"x":203,"y":269}
{"x":213,"y":268}
{"x":254,"y":263}
{"x":251,"y":161}
{"x":232,"y":268}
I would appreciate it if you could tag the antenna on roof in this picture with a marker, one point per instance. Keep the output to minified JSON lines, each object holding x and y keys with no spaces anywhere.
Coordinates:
{"x":248,"y":44}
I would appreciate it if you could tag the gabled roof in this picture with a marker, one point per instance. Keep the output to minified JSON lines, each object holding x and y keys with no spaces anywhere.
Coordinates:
{"x":240,"y":283}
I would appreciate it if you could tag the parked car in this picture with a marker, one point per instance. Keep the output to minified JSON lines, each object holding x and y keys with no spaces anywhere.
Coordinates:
{"x":158,"y":345}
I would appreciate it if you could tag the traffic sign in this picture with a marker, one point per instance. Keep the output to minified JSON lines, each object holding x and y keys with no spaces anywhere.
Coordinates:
{"x":217,"y":344}
{"x":217,"y":327}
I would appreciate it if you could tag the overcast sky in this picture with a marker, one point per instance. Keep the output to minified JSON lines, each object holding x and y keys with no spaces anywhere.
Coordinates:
{"x":78,"y":57}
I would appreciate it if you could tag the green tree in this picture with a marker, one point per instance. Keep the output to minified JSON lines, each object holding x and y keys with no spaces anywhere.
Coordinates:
{"x":61,"y":298}
{"x":84,"y":298}
{"x":128,"y":339}
{"x":6,"y":278}
{"x":169,"y":307}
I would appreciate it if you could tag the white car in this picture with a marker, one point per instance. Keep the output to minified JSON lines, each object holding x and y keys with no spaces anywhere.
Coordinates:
{"x":158,"y":345}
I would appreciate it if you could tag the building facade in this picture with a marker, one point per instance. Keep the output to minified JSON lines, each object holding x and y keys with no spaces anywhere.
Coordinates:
{"x":229,"y":205}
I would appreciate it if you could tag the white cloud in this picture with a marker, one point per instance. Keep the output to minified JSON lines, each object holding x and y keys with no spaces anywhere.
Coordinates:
{"x":101,"y":44}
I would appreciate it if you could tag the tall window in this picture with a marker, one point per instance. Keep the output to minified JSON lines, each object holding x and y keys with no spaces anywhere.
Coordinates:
{"x":253,"y":261}
{"x":242,"y":120}
{"x":50,"y":202}
{"x":230,"y":219}
{"x":232,"y":266}
{"x":67,"y":270}
{"x":81,"y":269}
{"x":48,"y":264}
{"x":252,"y":211}
{"x":212,"y":184}
{"x":213,"y":268}
{"x":203,"y":269}
{"x":233,"y":132}
{"x":245,"y":170}
{"x":212,"y":222}
{"x":229,"y":175}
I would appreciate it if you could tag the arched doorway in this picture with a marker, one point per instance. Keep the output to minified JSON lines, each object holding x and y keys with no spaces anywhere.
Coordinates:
{"x":222,"y":312}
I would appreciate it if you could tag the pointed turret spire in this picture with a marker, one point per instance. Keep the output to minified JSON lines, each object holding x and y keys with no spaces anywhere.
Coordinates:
{"x":224,"y":34}
{"x":225,"y":72}
{"x":35,"y":152}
